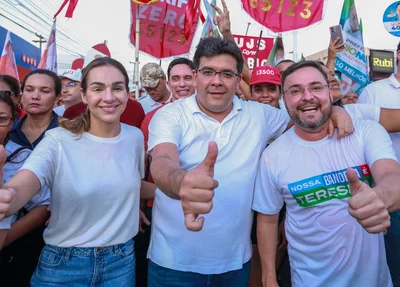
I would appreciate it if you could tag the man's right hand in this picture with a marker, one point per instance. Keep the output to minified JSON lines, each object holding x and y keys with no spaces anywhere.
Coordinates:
{"x":6,"y":194}
{"x":197,"y":190}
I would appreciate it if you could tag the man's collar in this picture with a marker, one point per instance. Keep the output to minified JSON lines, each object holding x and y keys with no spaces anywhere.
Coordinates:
{"x":393,"y":81}
{"x":153,"y":102}
{"x":193,"y":106}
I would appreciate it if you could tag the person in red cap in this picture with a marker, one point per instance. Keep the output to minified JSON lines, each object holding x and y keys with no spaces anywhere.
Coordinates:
{"x":265,"y":85}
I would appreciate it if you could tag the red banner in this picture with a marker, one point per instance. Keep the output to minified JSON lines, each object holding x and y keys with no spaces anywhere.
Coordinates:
{"x":248,"y":47}
{"x":284,"y":15}
{"x":162,"y":29}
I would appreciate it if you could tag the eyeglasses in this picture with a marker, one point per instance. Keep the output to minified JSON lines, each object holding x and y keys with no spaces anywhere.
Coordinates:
{"x":5,"y":121}
{"x":69,"y":85}
{"x":7,"y":93}
{"x":315,"y":89}
{"x":224,"y":75}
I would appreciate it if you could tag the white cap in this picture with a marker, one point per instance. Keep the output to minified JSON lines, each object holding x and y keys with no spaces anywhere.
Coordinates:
{"x":132,"y":88}
{"x":74,"y":75}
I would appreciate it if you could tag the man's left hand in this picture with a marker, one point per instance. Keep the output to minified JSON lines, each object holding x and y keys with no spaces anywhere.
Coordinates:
{"x":366,"y":206}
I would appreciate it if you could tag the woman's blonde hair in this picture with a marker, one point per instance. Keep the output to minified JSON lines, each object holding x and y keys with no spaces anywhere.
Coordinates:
{"x":81,"y":124}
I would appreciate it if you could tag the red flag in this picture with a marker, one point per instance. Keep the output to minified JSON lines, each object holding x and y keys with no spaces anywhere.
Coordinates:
{"x":145,"y":2}
{"x":70,"y":9}
{"x":283,"y":16}
{"x":202,"y":18}
{"x":49,"y":57}
{"x":8,"y":65}
{"x":162,"y":29}
{"x":192,"y":8}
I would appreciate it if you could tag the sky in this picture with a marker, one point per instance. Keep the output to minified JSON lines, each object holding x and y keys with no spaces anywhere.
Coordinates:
{"x":96,"y":21}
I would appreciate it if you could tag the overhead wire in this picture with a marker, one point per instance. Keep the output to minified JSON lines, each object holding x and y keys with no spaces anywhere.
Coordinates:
{"x":65,"y":31}
{"x":34,"y":33}
{"x":61,"y":37}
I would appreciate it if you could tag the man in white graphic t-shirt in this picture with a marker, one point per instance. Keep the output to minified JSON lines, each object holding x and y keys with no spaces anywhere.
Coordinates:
{"x":325,"y":183}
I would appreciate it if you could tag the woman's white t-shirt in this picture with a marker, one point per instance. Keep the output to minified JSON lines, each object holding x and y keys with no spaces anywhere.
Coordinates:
{"x":95,"y":186}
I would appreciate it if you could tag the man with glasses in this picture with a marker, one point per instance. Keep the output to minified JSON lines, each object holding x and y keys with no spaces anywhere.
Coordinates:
{"x":71,"y":90}
{"x":154,"y":82}
{"x":325,"y":183}
{"x":208,"y":142}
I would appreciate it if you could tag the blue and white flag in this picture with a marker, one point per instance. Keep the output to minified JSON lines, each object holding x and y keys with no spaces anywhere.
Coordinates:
{"x":352,"y":62}
{"x":209,"y":28}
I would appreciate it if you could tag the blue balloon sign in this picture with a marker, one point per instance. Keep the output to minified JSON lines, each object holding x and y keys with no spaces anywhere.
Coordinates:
{"x":391,"y":19}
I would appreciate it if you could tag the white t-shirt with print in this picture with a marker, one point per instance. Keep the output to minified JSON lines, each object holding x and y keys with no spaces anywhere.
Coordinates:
{"x":95,"y":186}
{"x":224,"y":242}
{"x":327,"y":247}
{"x":11,"y":167}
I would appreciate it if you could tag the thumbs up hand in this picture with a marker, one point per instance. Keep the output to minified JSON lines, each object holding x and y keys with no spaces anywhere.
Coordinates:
{"x":197,"y":190}
{"x":6,"y":194}
{"x":366,"y":206}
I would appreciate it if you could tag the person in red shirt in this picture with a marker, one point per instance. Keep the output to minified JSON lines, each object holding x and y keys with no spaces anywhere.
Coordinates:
{"x":133,"y":114}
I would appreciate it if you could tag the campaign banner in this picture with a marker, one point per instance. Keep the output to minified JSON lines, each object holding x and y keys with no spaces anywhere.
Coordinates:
{"x":248,"y":47}
{"x":162,"y":28}
{"x":391,"y":19}
{"x":284,"y":15}
{"x":352,"y":61}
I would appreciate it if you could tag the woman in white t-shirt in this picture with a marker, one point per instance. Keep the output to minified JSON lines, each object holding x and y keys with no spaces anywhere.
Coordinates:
{"x":93,"y":165}
{"x":15,"y":157}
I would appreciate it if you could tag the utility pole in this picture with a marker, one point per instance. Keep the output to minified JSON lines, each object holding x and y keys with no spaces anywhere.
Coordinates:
{"x":40,"y":41}
{"x":133,"y":63}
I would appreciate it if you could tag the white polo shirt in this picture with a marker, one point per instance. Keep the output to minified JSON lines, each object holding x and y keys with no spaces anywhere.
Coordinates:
{"x":149,"y":104}
{"x":386,"y":94}
{"x":224,"y":242}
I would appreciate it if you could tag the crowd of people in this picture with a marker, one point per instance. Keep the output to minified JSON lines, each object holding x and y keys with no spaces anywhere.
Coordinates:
{"x":215,"y":176}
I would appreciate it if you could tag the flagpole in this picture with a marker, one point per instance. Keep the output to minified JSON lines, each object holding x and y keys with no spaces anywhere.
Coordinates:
{"x":295,"y":56}
{"x":258,"y":48}
{"x":137,"y":52}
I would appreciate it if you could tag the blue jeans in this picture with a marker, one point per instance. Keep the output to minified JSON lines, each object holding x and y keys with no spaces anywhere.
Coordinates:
{"x":106,"y":267}
{"x":392,"y":242}
{"x":164,"y":277}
